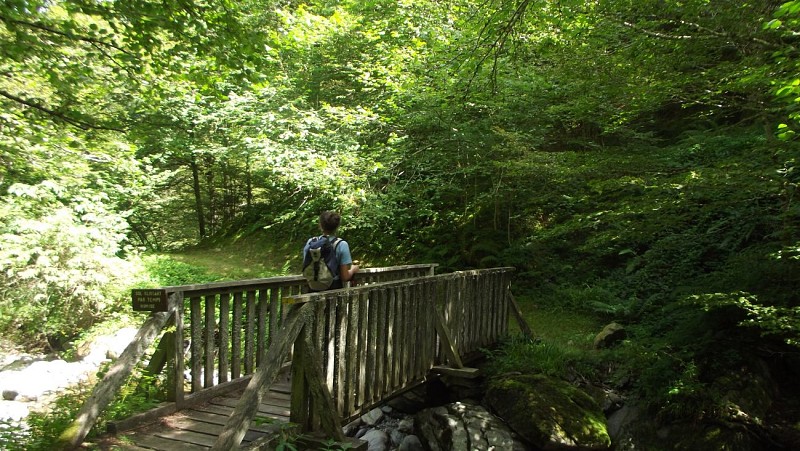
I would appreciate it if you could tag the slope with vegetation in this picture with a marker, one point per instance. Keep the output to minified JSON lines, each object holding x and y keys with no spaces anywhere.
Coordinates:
{"x":634,"y":161}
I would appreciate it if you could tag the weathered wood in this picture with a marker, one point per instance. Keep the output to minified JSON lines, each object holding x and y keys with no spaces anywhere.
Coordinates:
{"x":274,"y":314}
{"x":373,"y":341}
{"x":161,"y":355}
{"x":209,"y":342}
{"x":263,"y":313}
{"x":318,"y":389}
{"x":447,"y":341}
{"x":249,"y":335}
{"x":515,"y":310}
{"x":196,"y":345}
{"x":351,"y":368}
{"x":340,"y":380}
{"x":236,"y":336}
{"x":224,"y":337}
{"x":300,"y":398}
{"x":117,"y":374}
{"x":372,"y":348}
{"x":175,"y":380}
{"x":239,"y":421}
{"x":465,"y":373}
{"x":380,"y":345}
{"x":362,"y":346}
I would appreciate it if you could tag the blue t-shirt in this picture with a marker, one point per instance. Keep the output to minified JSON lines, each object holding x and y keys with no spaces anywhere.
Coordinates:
{"x":343,"y":256}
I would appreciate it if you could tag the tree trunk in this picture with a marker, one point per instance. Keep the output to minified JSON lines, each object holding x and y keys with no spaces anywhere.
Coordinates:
{"x":198,"y":197}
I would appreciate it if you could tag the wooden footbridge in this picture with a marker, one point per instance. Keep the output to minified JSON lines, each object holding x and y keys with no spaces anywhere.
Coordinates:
{"x":251,"y":362}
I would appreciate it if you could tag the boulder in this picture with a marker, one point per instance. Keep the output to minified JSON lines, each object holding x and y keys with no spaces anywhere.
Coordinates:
{"x":377,"y":440}
{"x":610,"y":336}
{"x":463,"y":426}
{"x":549,"y":413}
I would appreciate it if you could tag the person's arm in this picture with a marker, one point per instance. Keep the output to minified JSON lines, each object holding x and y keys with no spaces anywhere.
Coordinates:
{"x":346,"y":272}
{"x":347,"y":268}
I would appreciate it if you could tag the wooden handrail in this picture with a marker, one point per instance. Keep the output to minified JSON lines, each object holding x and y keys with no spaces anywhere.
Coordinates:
{"x":291,"y":280}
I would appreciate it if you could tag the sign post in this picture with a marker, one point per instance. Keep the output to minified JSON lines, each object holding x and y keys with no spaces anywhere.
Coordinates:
{"x":149,"y":300}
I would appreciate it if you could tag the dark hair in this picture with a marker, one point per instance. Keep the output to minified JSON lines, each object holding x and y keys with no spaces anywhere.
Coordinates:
{"x":329,"y":221}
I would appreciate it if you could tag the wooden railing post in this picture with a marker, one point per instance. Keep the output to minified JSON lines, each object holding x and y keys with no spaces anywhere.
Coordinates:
{"x":176,"y":390}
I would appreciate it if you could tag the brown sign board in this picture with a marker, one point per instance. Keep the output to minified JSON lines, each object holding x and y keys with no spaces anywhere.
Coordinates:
{"x":149,"y":300}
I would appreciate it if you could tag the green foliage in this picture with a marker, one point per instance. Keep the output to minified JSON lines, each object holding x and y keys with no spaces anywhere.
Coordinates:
{"x":165,"y":271}
{"x":61,"y":261}
{"x":769,"y":320}
{"x":140,"y":393}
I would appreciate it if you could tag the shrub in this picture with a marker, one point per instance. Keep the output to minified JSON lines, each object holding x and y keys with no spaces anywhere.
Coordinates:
{"x":62,"y":262}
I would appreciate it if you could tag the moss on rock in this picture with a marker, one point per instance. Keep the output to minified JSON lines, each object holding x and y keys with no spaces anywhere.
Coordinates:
{"x":549,"y":413}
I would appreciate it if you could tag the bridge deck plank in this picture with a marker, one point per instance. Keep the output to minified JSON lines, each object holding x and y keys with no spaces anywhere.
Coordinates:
{"x":197,"y":428}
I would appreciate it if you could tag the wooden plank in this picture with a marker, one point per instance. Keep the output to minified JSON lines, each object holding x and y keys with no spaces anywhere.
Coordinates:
{"x":330,"y":341}
{"x":226,"y":411}
{"x":274,"y":314}
{"x":372,"y":348}
{"x":517,"y":313}
{"x":165,"y":444}
{"x":262,"y":408}
{"x":176,"y":390}
{"x":236,"y":336}
{"x":395,"y":337}
{"x":431,"y":331}
{"x":381,"y":346}
{"x":505,"y":291}
{"x":196,"y":344}
{"x":140,"y":419}
{"x":209,"y":326}
{"x":351,"y":355}
{"x":317,"y":335}
{"x":249,"y":334}
{"x":339,"y":382}
{"x":224,"y":336}
{"x":466,"y":373}
{"x":214,"y":429}
{"x":361,"y":299}
{"x":262,"y":336}
{"x":194,"y":438}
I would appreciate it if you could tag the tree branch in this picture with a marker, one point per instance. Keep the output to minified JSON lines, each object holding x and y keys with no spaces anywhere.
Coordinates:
{"x":711,"y":33}
{"x":42,"y":27}
{"x":83,"y":125}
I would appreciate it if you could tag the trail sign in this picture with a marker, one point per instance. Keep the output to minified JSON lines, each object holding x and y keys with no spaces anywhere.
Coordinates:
{"x":149,"y":300}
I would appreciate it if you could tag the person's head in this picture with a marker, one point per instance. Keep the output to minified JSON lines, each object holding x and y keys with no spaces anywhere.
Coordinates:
{"x":329,"y":221}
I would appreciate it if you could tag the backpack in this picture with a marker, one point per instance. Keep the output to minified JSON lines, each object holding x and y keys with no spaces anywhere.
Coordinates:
{"x":319,"y":262}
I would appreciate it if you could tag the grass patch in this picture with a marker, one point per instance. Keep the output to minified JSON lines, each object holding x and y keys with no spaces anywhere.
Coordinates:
{"x":575,"y":329}
{"x":562,"y":344}
{"x":251,"y":257}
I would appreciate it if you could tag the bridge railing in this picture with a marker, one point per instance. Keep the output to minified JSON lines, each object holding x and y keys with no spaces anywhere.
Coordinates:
{"x":231,"y":324}
{"x":355,"y":347}
{"x":378,"y":340}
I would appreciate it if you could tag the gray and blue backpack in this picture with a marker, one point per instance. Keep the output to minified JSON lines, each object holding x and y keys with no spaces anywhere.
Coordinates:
{"x":319,"y":262}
